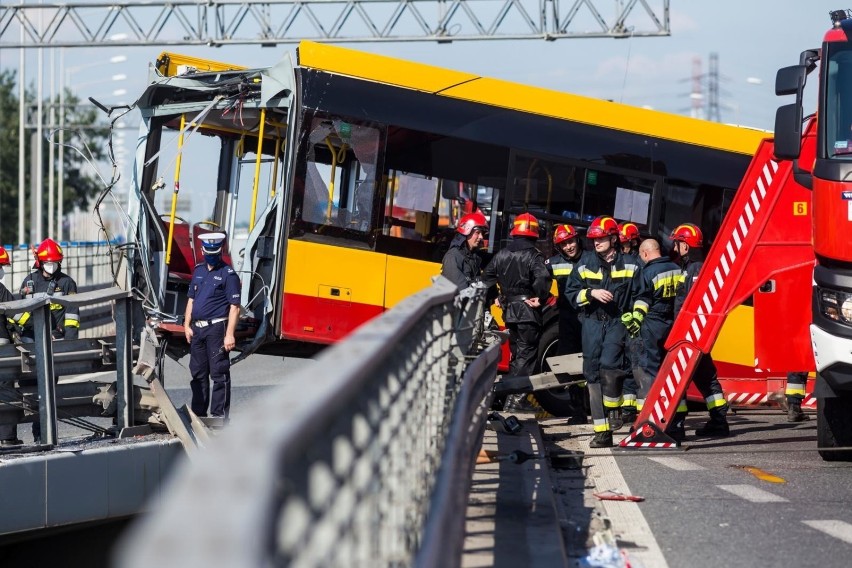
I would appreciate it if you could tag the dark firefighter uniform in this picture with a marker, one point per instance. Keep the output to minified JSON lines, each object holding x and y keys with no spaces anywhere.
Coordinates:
{"x":604,"y":336}
{"x":795,"y":393}
{"x":655,"y":299}
{"x":561,"y":267}
{"x":213,"y":292}
{"x":520,"y":272}
{"x":64,"y":322}
{"x":461,"y":265}
{"x":705,"y":376}
{"x":8,"y":432}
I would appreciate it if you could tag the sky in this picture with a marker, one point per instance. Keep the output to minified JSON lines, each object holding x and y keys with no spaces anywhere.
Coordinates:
{"x":753,"y":39}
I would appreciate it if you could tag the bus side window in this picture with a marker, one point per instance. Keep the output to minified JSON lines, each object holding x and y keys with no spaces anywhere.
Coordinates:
{"x":411,"y":205}
{"x":340,"y":174}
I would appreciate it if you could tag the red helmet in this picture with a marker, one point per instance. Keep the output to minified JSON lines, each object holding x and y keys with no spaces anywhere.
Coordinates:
{"x":525,"y":225}
{"x":689,"y":234}
{"x":602,"y":227}
{"x":470,"y":222}
{"x":4,"y":257}
{"x":49,"y":251}
{"x":563,"y":233}
{"x":627,"y":232}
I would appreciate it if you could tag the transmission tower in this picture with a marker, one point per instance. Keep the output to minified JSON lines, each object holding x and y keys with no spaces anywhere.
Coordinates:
{"x":713,"y":110}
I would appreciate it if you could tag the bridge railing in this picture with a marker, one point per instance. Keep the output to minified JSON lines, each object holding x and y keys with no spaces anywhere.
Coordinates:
{"x":363,"y":459}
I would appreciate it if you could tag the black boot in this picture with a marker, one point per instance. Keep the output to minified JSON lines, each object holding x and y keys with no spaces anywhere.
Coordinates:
{"x":794,"y":412}
{"x":615,"y":421}
{"x":717,"y":426}
{"x":677,"y":429}
{"x":602,"y":440}
{"x":628,"y":415}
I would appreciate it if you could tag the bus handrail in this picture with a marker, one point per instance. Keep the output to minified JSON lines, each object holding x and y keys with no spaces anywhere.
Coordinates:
{"x":173,"y":212}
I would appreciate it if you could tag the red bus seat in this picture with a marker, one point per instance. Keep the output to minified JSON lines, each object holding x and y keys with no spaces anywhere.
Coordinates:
{"x":182,"y":260}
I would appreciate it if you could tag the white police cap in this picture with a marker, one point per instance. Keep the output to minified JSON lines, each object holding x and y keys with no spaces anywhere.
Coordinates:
{"x":212,"y":242}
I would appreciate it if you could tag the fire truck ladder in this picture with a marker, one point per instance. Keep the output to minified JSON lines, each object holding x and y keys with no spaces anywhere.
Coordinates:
{"x":743,"y":257}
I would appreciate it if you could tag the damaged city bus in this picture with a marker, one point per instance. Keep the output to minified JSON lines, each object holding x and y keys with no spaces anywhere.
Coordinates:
{"x":339,"y":179}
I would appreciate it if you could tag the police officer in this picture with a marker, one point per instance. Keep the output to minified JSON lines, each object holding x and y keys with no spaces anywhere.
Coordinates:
{"x":212,"y":312}
{"x":601,"y":287}
{"x":461,"y":263}
{"x":687,"y":241}
{"x":795,"y":393}
{"x":653,"y":315}
{"x":8,"y":432}
{"x":569,"y":251}
{"x":524,"y":281}
{"x":628,"y":235}
{"x":49,"y":279}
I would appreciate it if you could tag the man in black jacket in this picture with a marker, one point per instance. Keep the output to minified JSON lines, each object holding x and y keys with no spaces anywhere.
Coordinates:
{"x":601,"y":287}
{"x":461,"y":264}
{"x":524,"y":283}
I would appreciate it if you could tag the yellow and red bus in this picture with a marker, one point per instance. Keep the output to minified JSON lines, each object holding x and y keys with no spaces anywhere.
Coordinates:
{"x":339,"y":177}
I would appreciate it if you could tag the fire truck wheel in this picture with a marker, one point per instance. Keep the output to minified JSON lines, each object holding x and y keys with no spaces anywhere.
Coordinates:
{"x":562,"y":401}
{"x":834,"y":427}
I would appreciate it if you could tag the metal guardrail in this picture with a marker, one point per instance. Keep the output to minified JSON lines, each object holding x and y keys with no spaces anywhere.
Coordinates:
{"x":363,"y":459}
{"x":45,"y":351}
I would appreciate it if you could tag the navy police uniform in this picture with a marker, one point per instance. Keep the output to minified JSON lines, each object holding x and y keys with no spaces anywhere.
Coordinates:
{"x":213,"y":292}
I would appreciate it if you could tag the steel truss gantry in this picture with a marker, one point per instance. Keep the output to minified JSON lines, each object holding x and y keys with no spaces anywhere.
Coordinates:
{"x":94,"y":23}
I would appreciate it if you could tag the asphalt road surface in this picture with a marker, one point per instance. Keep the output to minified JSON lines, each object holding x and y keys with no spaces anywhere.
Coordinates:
{"x":762,"y":497}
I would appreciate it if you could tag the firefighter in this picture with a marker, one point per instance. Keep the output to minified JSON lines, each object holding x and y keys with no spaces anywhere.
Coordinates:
{"x":524,"y":282}
{"x":569,"y":251}
{"x":461,"y":264}
{"x":210,"y":320}
{"x":653,"y":315}
{"x":687,"y":241}
{"x":601,"y":287}
{"x":8,"y":432}
{"x":628,"y":235}
{"x":795,"y":393}
{"x":48,"y":278}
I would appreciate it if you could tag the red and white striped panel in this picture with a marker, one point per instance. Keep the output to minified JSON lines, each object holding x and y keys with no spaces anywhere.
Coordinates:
{"x":731,"y":250}
{"x":756,"y":399}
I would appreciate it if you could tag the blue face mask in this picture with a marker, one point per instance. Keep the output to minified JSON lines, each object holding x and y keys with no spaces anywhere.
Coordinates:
{"x":213,"y":259}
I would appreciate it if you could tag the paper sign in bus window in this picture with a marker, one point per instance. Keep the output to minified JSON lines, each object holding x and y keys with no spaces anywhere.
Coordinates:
{"x":631,"y":205}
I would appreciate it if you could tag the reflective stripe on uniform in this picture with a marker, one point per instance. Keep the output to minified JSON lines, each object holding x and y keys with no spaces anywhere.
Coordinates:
{"x":601,"y":425}
{"x":715,"y":401}
{"x":668,"y":281}
{"x":612,"y":403}
{"x":583,"y":297}
{"x":641,"y":305}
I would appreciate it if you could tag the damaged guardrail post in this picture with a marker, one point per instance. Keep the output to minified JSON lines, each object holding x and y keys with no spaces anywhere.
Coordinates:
{"x":44,"y":373}
{"x":124,"y":363}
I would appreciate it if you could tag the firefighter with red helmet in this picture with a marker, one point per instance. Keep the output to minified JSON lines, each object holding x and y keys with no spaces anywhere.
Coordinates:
{"x":687,"y":242}
{"x":461,"y":263}
{"x":8,"y":432}
{"x":524,"y":281}
{"x":48,"y":278}
{"x":569,"y":251}
{"x":628,"y":234}
{"x":652,"y":317}
{"x":601,"y":287}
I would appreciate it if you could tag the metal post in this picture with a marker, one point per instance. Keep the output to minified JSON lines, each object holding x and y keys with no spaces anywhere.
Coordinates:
{"x":44,"y":374}
{"x":124,"y":360}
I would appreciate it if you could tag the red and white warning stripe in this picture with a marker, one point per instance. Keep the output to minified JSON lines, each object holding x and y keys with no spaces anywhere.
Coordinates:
{"x":731,"y":250}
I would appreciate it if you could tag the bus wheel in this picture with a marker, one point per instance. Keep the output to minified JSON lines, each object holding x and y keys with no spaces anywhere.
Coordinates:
{"x":560,"y":401}
{"x":834,"y":427}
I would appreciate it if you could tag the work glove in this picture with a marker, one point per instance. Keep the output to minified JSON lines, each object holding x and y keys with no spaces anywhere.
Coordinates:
{"x":638,"y":318}
{"x":630,"y":323}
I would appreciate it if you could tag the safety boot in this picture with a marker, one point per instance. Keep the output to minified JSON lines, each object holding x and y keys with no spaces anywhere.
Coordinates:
{"x":628,"y":415}
{"x":602,"y":440}
{"x":794,"y":412}
{"x":615,"y":421}
{"x":677,"y":429}
{"x":714,"y":428}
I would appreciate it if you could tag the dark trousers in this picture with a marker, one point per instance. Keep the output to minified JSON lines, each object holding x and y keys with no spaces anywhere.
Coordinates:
{"x":707,"y":382}
{"x":604,"y":365}
{"x":208,"y":360}
{"x":570,"y":332}
{"x":523,"y":343}
{"x":795,"y":390}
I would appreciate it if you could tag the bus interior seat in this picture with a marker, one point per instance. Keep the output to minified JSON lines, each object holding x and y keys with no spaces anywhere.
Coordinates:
{"x":182,"y":260}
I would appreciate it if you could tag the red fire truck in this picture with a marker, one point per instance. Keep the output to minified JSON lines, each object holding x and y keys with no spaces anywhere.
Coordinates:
{"x":820,"y":147}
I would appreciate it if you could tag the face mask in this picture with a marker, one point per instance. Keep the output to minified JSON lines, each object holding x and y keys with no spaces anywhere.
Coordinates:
{"x":50,"y":267}
{"x":212,"y":259}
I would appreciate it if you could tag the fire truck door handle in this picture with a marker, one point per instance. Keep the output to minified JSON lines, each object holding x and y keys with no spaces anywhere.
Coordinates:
{"x":768,"y":287}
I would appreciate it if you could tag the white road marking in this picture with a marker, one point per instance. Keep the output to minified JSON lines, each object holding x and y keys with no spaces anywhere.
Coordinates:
{"x":838,"y":529}
{"x":752,"y":493}
{"x":678,"y":464}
